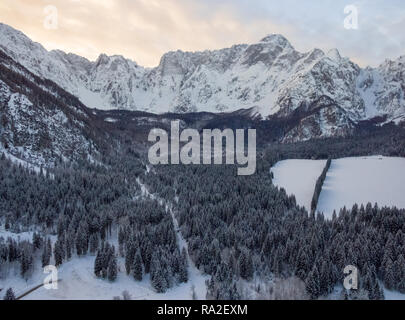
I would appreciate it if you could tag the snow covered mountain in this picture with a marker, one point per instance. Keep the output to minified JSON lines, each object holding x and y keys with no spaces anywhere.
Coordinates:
{"x":40,"y":123}
{"x":271,"y":78}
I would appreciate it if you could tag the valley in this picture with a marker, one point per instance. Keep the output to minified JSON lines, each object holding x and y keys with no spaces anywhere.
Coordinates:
{"x":78,"y":191}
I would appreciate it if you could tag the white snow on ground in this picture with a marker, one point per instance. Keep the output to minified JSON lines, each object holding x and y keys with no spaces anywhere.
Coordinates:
{"x":17,"y":236}
{"x":78,"y":281}
{"x":361,"y":180}
{"x":18,"y":161}
{"x":92,"y":99}
{"x":111,"y":120}
{"x":393,"y":295}
{"x":388,"y":295}
{"x":298,"y":177}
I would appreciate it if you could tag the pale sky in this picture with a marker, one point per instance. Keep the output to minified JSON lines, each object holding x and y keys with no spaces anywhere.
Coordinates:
{"x":143,"y":30}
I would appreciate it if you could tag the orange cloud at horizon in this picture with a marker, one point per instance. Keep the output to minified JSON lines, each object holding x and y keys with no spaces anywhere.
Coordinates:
{"x":142,"y":30}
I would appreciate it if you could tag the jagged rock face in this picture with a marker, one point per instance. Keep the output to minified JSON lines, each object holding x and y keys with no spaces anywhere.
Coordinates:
{"x":330,"y":121}
{"x":270,"y":77}
{"x":383,"y":89}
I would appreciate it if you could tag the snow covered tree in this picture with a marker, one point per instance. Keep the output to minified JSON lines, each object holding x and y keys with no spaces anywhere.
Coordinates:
{"x":312,"y":283}
{"x":9,"y":295}
{"x":46,"y":253}
{"x":82,"y":238}
{"x":58,"y":252}
{"x":246,"y":266}
{"x":94,"y":243}
{"x":389,"y":275}
{"x":158,"y":279}
{"x":137,"y":266}
{"x":112,"y":269}
{"x":98,"y":264}
{"x":183,"y":272}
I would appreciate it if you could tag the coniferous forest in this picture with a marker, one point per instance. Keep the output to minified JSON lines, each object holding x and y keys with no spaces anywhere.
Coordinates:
{"x":247,"y":235}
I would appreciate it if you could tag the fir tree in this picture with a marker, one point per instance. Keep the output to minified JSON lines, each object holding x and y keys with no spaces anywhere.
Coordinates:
{"x":112,"y":269}
{"x":9,"y":295}
{"x":98,"y":265}
{"x":46,"y":256}
{"x":137,"y":266}
{"x":312,"y":283}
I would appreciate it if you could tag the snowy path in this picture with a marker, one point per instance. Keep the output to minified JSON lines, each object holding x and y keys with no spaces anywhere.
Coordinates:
{"x":196,"y":278}
{"x":33,"y":289}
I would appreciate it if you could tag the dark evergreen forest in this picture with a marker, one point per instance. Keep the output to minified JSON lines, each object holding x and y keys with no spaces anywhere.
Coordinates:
{"x":236,"y":227}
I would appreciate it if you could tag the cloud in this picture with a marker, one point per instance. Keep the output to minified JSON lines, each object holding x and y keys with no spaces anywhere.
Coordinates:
{"x":144,"y":30}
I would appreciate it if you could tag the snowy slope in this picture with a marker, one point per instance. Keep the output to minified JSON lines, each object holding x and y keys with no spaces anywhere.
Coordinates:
{"x":78,"y":281}
{"x":361,"y":180}
{"x":298,"y":178}
{"x":40,"y":122}
{"x":269,"y":76}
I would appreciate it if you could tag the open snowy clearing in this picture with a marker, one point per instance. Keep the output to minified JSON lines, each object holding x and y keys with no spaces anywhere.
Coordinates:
{"x":362,"y":180}
{"x":298,"y":178}
{"x":78,"y":281}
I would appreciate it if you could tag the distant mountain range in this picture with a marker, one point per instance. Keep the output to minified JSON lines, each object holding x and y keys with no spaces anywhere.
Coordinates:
{"x":325,"y":94}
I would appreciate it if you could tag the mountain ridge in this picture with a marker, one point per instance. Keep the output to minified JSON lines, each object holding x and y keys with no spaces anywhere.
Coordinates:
{"x":270,"y":78}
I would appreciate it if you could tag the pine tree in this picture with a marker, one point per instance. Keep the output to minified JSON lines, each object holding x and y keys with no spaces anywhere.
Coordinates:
{"x":69,"y":248}
{"x":98,"y":265}
{"x":183,"y":273}
{"x":184,"y":256}
{"x":312,"y":283}
{"x":112,"y":269}
{"x":82,"y":239}
{"x":389,"y":275}
{"x":58,"y":253}
{"x":325,"y":281}
{"x":26,"y":261}
{"x":158,"y":280}
{"x":94,"y":243}
{"x":46,"y":256}
{"x":36,"y":241}
{"x":129,"y":256}
{"x":245,"y":266}
{"x":376,"y":292}
{"x":9,"y":295}
{"x":137,"y":266}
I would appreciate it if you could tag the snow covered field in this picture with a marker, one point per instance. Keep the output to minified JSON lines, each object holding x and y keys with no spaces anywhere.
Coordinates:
{"x":298,"y":177}
{"x":361,"y":180}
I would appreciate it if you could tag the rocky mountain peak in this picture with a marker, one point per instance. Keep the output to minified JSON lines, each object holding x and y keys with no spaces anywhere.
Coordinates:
{"x":276,"y":40}
{"x":269,"y":76}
